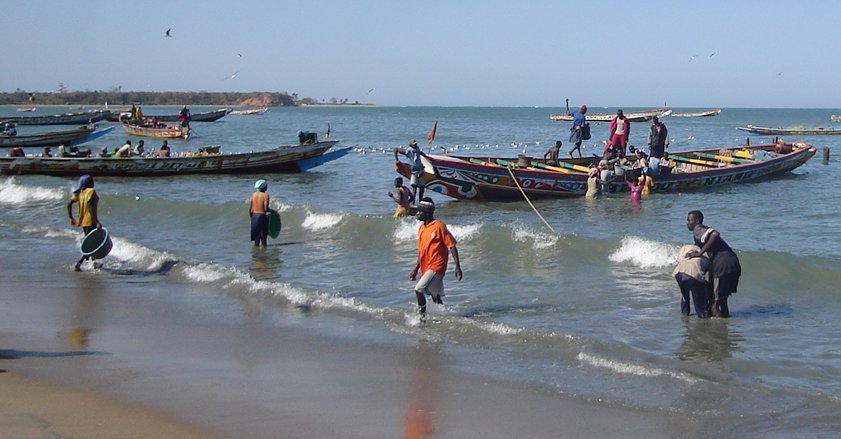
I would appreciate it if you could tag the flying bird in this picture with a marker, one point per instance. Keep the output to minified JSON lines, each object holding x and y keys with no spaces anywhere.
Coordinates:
{"x":239,"y":55}
{"x":712,"y":54}
{"x":230,"y":77}
{"x":780,"y":74}
{"x":168,"y":31}
{"x":370,"y":91}
{"x":692,"y":57}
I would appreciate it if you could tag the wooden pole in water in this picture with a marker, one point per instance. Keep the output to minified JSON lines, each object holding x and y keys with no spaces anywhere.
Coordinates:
{"x":825,"y":160}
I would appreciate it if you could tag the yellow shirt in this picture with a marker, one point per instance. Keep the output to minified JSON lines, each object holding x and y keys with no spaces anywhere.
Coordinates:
{"x":86,"y":199}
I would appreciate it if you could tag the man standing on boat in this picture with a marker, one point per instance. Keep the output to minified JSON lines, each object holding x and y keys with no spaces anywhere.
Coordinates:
{"x":435,"y":244}
{"x":576,"y":133}
{"x":620,"y":129}
{"x":726,"y":268}
{"x":414,"y":154}
{"x":184,"y":117}
{"x":658,"y":138}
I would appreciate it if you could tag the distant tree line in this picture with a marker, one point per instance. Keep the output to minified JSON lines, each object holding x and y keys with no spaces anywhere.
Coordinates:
{"x":118,"y":97}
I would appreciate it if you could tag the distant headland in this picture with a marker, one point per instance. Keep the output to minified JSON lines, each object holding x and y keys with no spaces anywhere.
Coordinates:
{"x":119,"y":97}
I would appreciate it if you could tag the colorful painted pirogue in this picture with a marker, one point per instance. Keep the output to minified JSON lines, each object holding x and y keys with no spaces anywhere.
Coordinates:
{"x":493,"y":179}
{"x":293,"y":158}
{"x":161,"y":130}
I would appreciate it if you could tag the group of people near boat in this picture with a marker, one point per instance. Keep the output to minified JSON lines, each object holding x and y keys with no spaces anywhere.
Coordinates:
{"x":138,"y":150}
{"x":638,"y":169}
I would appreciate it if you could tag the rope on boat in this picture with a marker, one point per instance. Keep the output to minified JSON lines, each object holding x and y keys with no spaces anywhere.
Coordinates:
{"x":529,"y":201}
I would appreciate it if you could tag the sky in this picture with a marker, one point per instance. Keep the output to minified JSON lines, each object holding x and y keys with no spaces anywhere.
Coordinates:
{"x":774,"y":54}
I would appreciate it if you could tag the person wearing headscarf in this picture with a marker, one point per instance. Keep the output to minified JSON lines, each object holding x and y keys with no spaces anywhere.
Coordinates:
{"x":258,"y":210}
{"x":435,"y":245}
{"x":85,"y":196}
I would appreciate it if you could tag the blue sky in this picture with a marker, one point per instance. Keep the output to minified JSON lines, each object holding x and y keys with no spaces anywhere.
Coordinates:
{"x":431,"y":52}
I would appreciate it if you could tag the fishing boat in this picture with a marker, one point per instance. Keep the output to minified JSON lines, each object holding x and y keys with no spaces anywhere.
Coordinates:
{"x":634,"y":116}
{"x":798,"y":131}
{"x":54,"y":138}
{"x":293,"y":158}
{"x":253,"y":111}
{"x":706,"y":113}
{"x":498,"y":179}
{"x":835,"y":118}
{"x":209,"y":116}
{"x":161,"y":130}
{"x":78,"y":118}
{"x":26,"y":109}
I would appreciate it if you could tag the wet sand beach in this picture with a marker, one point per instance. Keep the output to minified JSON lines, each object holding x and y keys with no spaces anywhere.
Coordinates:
{"x":90,"y":354}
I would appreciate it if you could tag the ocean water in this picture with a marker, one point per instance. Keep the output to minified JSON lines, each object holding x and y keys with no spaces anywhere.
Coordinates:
{"x":591,"y":312}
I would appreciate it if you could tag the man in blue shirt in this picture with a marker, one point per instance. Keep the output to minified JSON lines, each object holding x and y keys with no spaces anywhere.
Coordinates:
{"x":576,"y":135}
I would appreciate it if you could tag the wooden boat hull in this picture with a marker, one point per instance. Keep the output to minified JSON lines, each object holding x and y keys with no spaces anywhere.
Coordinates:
{"x":78,"y":118}
{"x":209,"y":116}
{"x":294,"y":158}
{"x":169,"y":132}
{"x":249,"y":112}
{"x":472,"y":178}
{"x":55,"y":138}
{"x":790,"y":131}
{"x":634,"y":116}
{"x":708,"y":113}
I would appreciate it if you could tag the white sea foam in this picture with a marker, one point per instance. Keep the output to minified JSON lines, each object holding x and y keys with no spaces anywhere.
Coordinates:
{"x":539,"y":240}
{"x":465,"y":232}
{"x":205,"y":273}
{"x":644,"y":253}
{"x":406,"y":230}
{"x":13,"y":193}
{"x":321,"y":221}
{"x":632,"y":369}
{"x":496,"y":327}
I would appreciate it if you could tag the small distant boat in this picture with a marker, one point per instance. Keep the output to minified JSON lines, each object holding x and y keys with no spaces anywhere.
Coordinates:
{"x":292,"y":158}
{"x":506,"y":179}
{"x":633,"y":116}
{"x":54,"y":138}
{"x":835,"y":118}
{"x":26,"y":109}
{"x":162,"y":130}
{"x":254,"y":111}
{"x":707,"y":113}
{"x":818,"y":131}
{"x":78,"y":118}
{"x":209,"y":116}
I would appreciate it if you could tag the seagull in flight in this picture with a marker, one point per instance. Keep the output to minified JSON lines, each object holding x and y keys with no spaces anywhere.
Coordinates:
{"x":168,"y":32}
{"x":371,"y":90}
{"x":239,"y":55}
{"x":230,"y":77}
{"x":712,"y":54}
{"x":780,"y":74}
{"x":692,"y":57}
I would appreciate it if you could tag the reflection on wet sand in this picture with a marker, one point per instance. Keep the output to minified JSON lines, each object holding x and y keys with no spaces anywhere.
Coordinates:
{"x":422,"y":391}
{"x":265,"y":263}
{"x":85,"y":311}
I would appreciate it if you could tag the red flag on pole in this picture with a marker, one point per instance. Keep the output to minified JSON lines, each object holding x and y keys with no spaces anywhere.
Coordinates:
{"x":431,"y":136}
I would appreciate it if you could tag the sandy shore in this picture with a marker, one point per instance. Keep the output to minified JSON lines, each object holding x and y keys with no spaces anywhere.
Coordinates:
{"x":115,"y":354}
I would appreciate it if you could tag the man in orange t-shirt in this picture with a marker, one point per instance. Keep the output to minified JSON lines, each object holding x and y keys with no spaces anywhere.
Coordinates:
{"x":435,"y":244}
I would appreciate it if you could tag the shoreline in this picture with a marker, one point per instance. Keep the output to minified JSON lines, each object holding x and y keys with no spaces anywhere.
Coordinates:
{"x":182,"y":354}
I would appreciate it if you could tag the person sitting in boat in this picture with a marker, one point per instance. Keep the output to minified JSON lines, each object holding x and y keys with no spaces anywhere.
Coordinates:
{"x":104,"y":153}
{"x":47,"y":152}
{"x":139,"y":150}
{"x":9,"y":130}
{"x":667,"y":165}
{"x":124,"y":151}
{"x":551,"y":156}
{"x":17,"y":152}
{"x":164,"y":151}
{"x":306,"y":137}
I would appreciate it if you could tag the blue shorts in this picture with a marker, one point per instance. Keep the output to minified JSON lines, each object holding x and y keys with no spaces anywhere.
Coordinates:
{"x":259,"y":227}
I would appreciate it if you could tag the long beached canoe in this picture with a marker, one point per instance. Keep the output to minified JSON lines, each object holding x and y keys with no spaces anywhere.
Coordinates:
{"x":490,"y":179}
{"x":293,"y":158}
{"x":54,"y":138}
{"x":208,"y":116}
{"x":78,"y":118}
{"x":633,"y":116}
{"x":790,"y":131}
{"x":162,"y":131}
{"x":706,"y":113}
